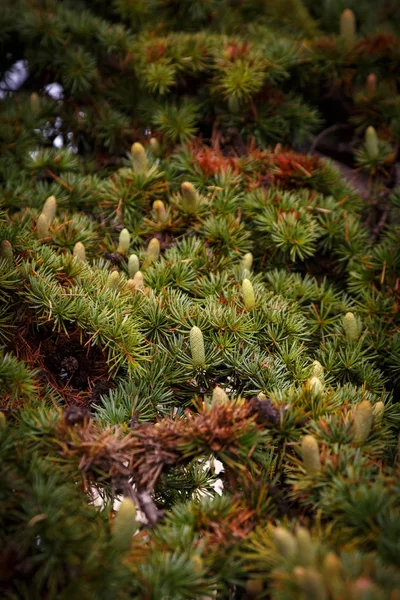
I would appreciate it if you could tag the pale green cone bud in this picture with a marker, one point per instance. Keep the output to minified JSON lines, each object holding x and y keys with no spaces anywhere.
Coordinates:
{"x":133,"y":265}
{"x":113,"y":280}
{"x":378,"y":410}
{"x":371,"y":84}
{"x":317,"y":370}
{"x":350,"y":327}
{"x":50,"y":208}
{"x":190,"y":199}
{"x":35,"y":103}
{"x":3,"y":421}
{"x":247,"y":261}
{"x":219,"y":395}
{"x":285,"y":542}
{"x":125,"y":525}
{"x":348,"y":29}
{"x":245,"y":274}
{"x":197,"y":347}
{"x":42,"y":227}
{"x":139,"y":158}
{"x":138,"y":281}
{"x":155,"y":147}
{"x":311,"y":583}
{"x":310,"y":455}
{"x":160,"y":211}
{"x":153,"y":250}
{"x":306,"y":549}
{"x":315,"y":386}
{"x":6,"y":252}
{"x":79,"y":252}
{"x":248,"y":294}
{"x":362,"y":422}
{"x":124,"y":242}
{"x":371,"y":143}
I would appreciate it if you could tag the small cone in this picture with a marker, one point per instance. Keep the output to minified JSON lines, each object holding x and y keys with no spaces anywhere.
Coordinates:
{"x":285,"y":542}
{"x":378,"y":410}
{"x":50,"y":208}
{"x":124,"y":242}
{"x":348,"y":29}
{"x":139,"y":158}
{"x":138,"y":281}
{"x":350,"y":327}
{"x":42,"y":227}
{"x":315,"y":387}
{"x":332,"y":566}
{"x":133,"y":265}
{"x":318,"y":370}
{"x":371,"y":143}
{"x":155,"y":147}
{"x":247,"y":261}
{"x":310,"y":454}
{"x":312,"y":584}
{"x":79,"y":252}
{"x":306,"y":549}
{"x":160,"y":211}
{"x":362,"y":423}
{"x":6,"y":252}
{"x":197,"y":347}
{"x":153,"y":250}
{"x":124,"y":525}
{"x":113,"y":280}
{"x":190,"y":198}
{"x":248,"y":294}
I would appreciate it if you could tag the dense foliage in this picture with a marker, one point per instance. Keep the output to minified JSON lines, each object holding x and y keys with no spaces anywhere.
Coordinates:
{"x":204,"y":328}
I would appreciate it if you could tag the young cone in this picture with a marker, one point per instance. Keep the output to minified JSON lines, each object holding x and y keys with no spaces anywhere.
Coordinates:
{"x":124,"y":525}
{"x":42,"y":227}
{"x":318,"y":370}
{"x":285,"y":542}
{"x":350,"y":327}
{"x":153,"y":250}
{"x":50,"y":208}
{"x":247,"y":261}
{"x":371,"y":143}
{"x":197,"y":347}
{"x":370,"y":86}
{"x":248,"y":294}
{"x":79,"y":252}
{"x":219,"y":395}
{"x":155,"y":147}
{"x":113,"y":280}
{"x":139,"y":158}
{"x":378,"y":410}
{"x":190,"y":198}
{"x":312,"y":584}
{"x":133,"y":265}
{"x":35,"y":103}
{"x":362,"y":423}
{"x":6,"y":252}
{"x":160,"y":211}
{"x":138,"y":281}
{"x":348,"y":29}
{"x":310,"y":454}
{"x":124,"y":242}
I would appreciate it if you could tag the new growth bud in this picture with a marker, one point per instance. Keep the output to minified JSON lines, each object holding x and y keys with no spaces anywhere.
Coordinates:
{"x":219,"y":395}
{"x":153,"y":250}
{"x":155,"y":147}
{"x":124,"y":242}
{"x":310,"y":454}
{"x":113,"y":280}
{"x":197,"y":347}
{"x":248,"y":294}
{"x":6,"y":252}
{"x":50,"y":209}
{"x":350,"y":327}
{"x":190,"y":198}
{"x":285,"y":542}
{"x":124,"y":525}
{"x":42,"y":227}
{"x":133,"y":265}
{"x":79,"y":252}
{"x":247,"y":261}
{"x":160,"y":211}
{"x":139,"y":158}
{"x":348,"y":29}
{"x":362,"y":423}
{"x":371,"y":143}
